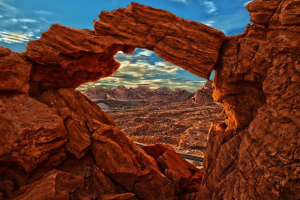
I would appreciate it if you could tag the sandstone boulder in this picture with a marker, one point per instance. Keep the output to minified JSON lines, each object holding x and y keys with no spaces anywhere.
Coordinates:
{"x":116,"y":156}
{"x":203,"y":95}
{"x":126,"y":164}
{"x":54,"y":185}
{"x":185,"y":176}
{"x":14,"y":72}
{"x":30,"y":132}
{"x":79,"y":115}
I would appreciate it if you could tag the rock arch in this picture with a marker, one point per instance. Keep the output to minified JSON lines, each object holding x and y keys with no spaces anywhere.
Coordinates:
{"x":74,"y":56}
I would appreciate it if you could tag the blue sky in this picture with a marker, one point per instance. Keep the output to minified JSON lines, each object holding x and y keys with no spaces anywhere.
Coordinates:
{"x":21,"y":21}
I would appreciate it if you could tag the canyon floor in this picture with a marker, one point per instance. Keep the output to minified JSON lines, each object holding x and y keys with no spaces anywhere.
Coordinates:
{"x":161,"y":116}
{"x":183,"y":125}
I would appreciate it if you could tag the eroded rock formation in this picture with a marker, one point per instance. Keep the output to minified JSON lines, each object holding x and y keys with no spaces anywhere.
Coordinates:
{"x":176,"y":118}
{"x":203,"y":95}
{"x":254,"y":154}
{"x":74,"y":56}
{"x":184,"y":125}
{"x":50,"y":134}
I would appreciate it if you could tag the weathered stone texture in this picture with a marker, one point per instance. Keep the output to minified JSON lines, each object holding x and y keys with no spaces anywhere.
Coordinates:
{"x":254,"y":154}
{"x":74,"y":56}
{"x":30,"y":132}
{"x":14,"y":71}
{"x":190,"y":45}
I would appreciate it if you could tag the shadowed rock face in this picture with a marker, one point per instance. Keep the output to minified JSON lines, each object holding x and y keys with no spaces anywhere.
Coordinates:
{"x":255,"y":153}
{"x":50,"y":134}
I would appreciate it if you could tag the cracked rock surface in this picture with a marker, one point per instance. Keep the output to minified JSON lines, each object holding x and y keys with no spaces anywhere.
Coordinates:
{"x":254,"y":154}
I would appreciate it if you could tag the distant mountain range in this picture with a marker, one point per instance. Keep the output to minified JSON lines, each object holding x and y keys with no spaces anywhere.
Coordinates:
{"x":124,"y":98}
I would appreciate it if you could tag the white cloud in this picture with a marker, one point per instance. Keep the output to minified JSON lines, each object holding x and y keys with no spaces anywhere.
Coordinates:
{"x":24,"y":20}
{"x":173,"y":83}
{"x":15,"y":37}
{"x":246,"y":3}
{"x":44,"y":12}
{"x":229,"y":21}
{"x":144,"y":69}
{"x":210,"y":23}
{"x":210,"y":7}
{"x":180,"y":1}
{"x":18,"y":26}
{"x":7,"y":7}
{"x":45,"y":20}
{"x":145,"y":52}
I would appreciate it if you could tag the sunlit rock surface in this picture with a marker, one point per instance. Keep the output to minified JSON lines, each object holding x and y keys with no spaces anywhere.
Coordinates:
{"x":254,"y":154}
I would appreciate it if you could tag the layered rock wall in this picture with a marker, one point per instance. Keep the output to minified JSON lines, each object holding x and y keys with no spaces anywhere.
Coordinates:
{"x":255,"y":153}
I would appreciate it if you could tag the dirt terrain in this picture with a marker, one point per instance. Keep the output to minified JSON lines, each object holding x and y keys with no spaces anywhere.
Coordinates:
{"x":181,"y":124}
{"x":177,"y":118}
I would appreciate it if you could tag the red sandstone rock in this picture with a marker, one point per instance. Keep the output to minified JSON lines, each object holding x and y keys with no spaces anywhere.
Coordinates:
{"x":102,"y":183}
{"x":30,"y":132}
{"x":178,"y":41}
{"x":74,"y":56}
{"x":77,"y":111}
{"x":183,"y":174}
{"x":115,"y":155}
{"x":261,"y":12}
{"x":204,"y":94}
{"x":253,"y":154}
{"x":54,"y":185}
{"x":125,"y":196}
{"x":156,"y":150}
{"x":106,"y":188}
{"x":126,"y":164}
{"x":257,"y":83}
{"x":14,"y":71}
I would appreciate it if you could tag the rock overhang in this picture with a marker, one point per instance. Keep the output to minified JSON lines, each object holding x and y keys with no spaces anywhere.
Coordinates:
{"x":76,"y":56}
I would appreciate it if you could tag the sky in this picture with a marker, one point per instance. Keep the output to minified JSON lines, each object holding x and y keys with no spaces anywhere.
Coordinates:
{"x":22,"y":21}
